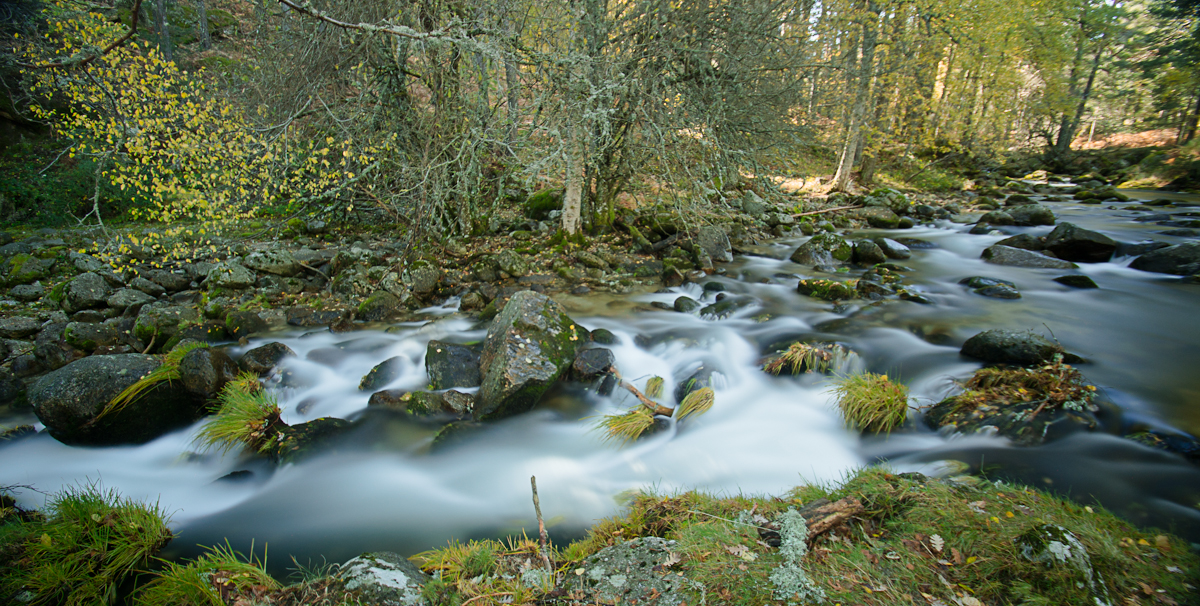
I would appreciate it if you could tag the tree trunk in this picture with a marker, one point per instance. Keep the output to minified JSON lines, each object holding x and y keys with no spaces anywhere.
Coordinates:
{"x":1192,"y":121}
{"x":164,"y":34}
{"x":856,"y":134}
{"x":1070,"y":122}
{"x":202,"y":27}
{"x":573,"y":199}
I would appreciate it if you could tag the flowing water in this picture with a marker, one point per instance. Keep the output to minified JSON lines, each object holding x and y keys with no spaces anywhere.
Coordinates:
{"x":384,"y":489}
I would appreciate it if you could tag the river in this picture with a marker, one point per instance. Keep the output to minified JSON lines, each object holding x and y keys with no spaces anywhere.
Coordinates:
{"x":385,"y":490}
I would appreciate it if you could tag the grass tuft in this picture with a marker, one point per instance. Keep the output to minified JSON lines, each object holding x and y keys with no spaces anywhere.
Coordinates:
{"x":90,"y":543}
{"x":803,"y":357}
{"x":220,"y":574}
{"x":627,"y":427}
{"x":168,"y":371}
{"x":871,"y":402}
{"x":654,"y":387}
{"x":696,"y":403}
{"x":247,"y":417}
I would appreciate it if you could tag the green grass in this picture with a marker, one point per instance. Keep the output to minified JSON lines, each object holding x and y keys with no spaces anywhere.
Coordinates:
{"x":696,"y":403}
{"x":627,"y":427}
{"x":247,"y":416}
{"x":90,"y":543}
{"x":870,"y":402}
{"x":802,"y":357}
{"x":202,"y":581}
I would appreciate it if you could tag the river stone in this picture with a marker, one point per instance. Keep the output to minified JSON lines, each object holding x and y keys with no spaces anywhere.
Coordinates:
{"x":127,"y":297}
{"x":278,"y":262}
{"x":685,"y":305}
{"x":998,"y":254}
{"x":1077,"y":281}
{"x":822,"y":249}
{"x":297,"y":442}
{"x":27,"y":293}
{"x":1032,"y":214}
{"x":244,"y":323}
{"x":512,"y":263}
{"x":159,"y":324}
{"x":19,"y":327}
{"x":893,"y":249}
{"x":451,"y":365}
{"x":753,"y":205}
{"x":713,"y":241}
{"x":1180,"y":260}
{"x":632,"y":572}
{"x":204,"y":371}
{"x":1073,"y":243}
{"x":1011,"y":347}
{"x":867,"y":252}
{"x":169,"y":280}
{"x":51,"y":347}
{"x":591,"y":364}
{"x":984,"y":282}
{"x":726,"y":307}
{"x":1056,"y":548}
{"x":87,"y":336}
{"x":1024,"y":242}
{"x":229,"y":275}
{"x":86,"y":291}
{"x":879,"y":217}
{"x":424,"y":279}
{"x":383,"y":373}
{"x":996,"y":217}
{"x":68,"y":400}
{"x":151,"y":288}
{"x":528,"y":347}
{"x":380,"y":306}
{"x":263,"y":358}
{"x":873,"y":290}
{"x":383,"y":578}
{"x":999,"y":291}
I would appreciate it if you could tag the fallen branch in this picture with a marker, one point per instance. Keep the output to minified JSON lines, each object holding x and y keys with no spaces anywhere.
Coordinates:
{"x":654,"y":407}
{"x":823,"y":516}
{"x":542,"y":536}
{"x":825,"y":210}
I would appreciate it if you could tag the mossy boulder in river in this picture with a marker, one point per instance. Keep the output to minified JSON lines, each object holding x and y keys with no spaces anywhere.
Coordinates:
{"x":823,"y":249}
{"x":1073,"y":243}
{"x":828,"y":290}
{"x":1180,"y":260}
{"x":451,"y":365}
{"x":529,"y":345}
{"x":69,"y":401}
{"x":1011,"y":347}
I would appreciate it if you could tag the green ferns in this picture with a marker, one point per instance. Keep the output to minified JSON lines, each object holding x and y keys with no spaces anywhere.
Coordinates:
{"x":247,"y":416}
{"x":89,"y":544}
{"x":871,"y":402}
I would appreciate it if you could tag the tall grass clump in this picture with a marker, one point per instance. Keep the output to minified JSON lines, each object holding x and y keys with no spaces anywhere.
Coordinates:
{"x":247,"y":416}
{"x":870,"y":402}
{"x":91,"y":542}
{"x":220,"y":571}
{"x":802,"y":357}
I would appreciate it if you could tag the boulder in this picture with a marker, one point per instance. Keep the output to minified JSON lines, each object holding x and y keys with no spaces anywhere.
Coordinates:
{"x":169,"y":281}
{"x":822,"y":249}
{"x":86,"y":291}
{"x":68,"y":401}
{"x":512,"y":263}
{"x":996,"y":217}
{"x":126,"y":298}
{"x":159,"y":324}
{"x":714,"y":242}
{"x":51,"y":347}
{"x":383,"y":373}
{"x":685,"y":305}
{"x":297,"y":442}
{"x":384,"y":578}
{"x":539,"y":205}
{"x":425,"y":278}
{"x":86,"y":336}
{"x":998,"y":254}
{"x":829,"y":290}
{"x":19,"y":327}
{"x":205,"y":370}
{"x":29,"y":293}
{"x":867,"y":252}
{"x":24,"y":268}
{"x":229,"y":275}
{"x":893,"y":249}
{"x":1024,"y":242}
{"x":277,"y":262}
{"x":528,"y":347}
{"x":451,"y":365}
{"x":1032,"y":214}
{"x":153,"y":289}
{"x":1077,"y":281}
{"x":1073,"y":243}
{"x":879,"y":217}
{"x":380,"y":306}
{"x":1180,"y":260}
{"x":263,"y":358}
{"x":753,"y":205}
{"x":726,"y":306}
{"x":591,"y":364}
{"x":240,"y":324}
{"x":1000,"y":346}
{"x":629,"y":572}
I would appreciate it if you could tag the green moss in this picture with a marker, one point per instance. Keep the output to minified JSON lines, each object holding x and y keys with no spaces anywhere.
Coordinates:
{"x":539,"y":205}
{"x":828,"y":290}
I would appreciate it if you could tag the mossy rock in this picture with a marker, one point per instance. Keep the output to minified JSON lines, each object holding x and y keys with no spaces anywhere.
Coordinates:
{"x":823,"y":249}
{"x":828,"y":290}
{"x":541,"y":204}
{"x":25,"y":268}
{"x":306,"y":439}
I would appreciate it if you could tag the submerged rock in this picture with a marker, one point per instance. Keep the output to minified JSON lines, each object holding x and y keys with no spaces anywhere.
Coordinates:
{"x":1073,"y":243}
{"x":1011,"y":347}
{"x":528,"y":347}
{"x":69,"y":400}
{"x":1180,"y":260}
{"x":998,"y":254}
{"x":1077,"y":281}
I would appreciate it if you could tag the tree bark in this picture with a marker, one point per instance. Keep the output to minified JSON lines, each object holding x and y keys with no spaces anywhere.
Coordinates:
{"x":164,"y":33}
{"x":856,"y":134}
{"x":202,"y":27}
{"x":572,"y":200}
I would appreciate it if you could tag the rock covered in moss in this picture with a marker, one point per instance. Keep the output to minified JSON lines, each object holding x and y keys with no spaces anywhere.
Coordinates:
{"x":229,"y":275}
{"x":159,"y":324}
{"x":822,"y":249}
{"x":297,"y":442}
{"x":1056,"y":547}
{"x":632,"y":572}
{"x":828,"y":290}
{"x":69,"y":400}
{"x":24,"y":268}
{"x":383,"y":578}
{"x":87,"y":336}
{"x":278,"y":262}
{"x":528,"y":347}
{"x":263,"y":358}
{"x":539,"y":205}
{"x":381,"y":305}
{"x":512,"y":263}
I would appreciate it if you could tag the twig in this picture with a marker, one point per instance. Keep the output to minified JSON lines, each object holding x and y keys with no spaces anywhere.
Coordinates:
{"x":151,"y":345}
{"x":654,"y":407}
{"x":825,"y":210}
{"x":486,"y":595}
{"x":545,"y":540}
{"x":75,"y":60}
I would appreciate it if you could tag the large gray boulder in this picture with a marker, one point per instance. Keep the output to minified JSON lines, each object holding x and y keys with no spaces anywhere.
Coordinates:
{"x":278,"y":262}
{"x":1032,"y":214}
{"x":823,"y":249}
{"x":229,"y":275}
{"x":384,"y":579}
{"x":1073,"y":243}
{"x":86,"y":291}
{"x":204,"y":371}
{"x":1180,"y":260}
{"x":714,"y":242}
{"x":1011,"y":347}
{"x":633,"y":572}
{"x":69,"y":400}
{"x":998,"y":254}
{"x":528,"y":347}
